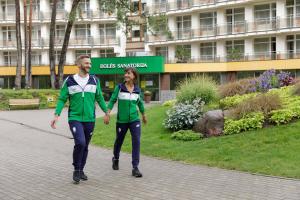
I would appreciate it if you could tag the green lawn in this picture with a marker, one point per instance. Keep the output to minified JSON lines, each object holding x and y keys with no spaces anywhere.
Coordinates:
{"x":272,"y":151}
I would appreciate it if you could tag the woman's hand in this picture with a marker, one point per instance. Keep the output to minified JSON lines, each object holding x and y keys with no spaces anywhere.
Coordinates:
{"x":106,"y":118}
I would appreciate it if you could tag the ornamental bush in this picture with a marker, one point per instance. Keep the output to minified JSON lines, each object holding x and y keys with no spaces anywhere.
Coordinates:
{"x":186,"y":135}
{"x":251,"y":121}
{"x":184,"y":115}
{"x":197,"y":87}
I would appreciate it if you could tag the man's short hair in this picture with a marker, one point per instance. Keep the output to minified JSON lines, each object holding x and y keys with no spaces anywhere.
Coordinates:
{"x":79,"y":58}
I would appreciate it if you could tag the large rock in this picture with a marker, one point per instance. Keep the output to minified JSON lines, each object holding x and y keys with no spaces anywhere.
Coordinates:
{"x":211,"y":124}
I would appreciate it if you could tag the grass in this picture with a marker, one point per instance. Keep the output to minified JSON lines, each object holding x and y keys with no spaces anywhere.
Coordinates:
{"x":271,"y":151}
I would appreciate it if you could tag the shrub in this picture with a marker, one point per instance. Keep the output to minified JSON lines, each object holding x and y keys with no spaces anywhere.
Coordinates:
{"x":285,"y":79}
{"x":197,"y":87}
{"x":264,"y":103}
{"x":251,"y":121}
{"x":170,"y":103}
{"x":183,"y":115}
{"x":240,"y":87}
{"x":229,"y":102}
{"x":296,"y":89}
{"x":269,"y":79}
{"x":186,"y":135}
{"x":282,"y":116}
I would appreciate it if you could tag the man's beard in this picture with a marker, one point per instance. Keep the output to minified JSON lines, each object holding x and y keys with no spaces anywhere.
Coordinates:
{"x":83,"y":69}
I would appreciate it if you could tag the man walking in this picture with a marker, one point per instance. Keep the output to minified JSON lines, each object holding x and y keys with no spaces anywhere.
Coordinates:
{"x":82,"y":90}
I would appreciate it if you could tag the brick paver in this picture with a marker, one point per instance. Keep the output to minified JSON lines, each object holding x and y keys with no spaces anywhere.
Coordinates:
{"x":35,"y":164}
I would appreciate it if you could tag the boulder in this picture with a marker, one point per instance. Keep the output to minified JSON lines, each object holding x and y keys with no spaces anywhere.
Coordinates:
{"x":210,"y":124}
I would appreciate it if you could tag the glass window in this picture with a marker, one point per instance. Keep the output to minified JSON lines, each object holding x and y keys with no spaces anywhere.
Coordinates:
{"x":162,"y":51}
{"x":107,"y":53}
{"x":208,"y":51}
{"x":82,"y":30}
{"x":82,"y":52}
{"x":10,"y":58}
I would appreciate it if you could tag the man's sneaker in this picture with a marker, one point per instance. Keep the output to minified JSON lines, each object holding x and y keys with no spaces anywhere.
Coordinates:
{"x":76,"y":176}
{"x":83,"y":176}
{"x":115,"y":164}
{"x":136,"y":173}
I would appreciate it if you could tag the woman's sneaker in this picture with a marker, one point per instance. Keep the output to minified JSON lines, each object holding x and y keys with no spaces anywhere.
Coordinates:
{"x":136,"y":173}
{"x":115,"y":164}
{"x":83,"y":176}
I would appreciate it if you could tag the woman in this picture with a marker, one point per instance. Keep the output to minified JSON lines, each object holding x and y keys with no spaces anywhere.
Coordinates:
{"x":129,"y":98}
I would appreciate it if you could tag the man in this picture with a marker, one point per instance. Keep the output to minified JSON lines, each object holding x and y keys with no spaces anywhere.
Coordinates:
{"x":82,"y":90}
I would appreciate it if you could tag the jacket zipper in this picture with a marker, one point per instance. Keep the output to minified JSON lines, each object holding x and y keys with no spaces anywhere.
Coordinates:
{"x":129,"y":106}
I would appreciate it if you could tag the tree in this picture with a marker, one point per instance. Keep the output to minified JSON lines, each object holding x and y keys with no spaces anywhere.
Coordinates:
{"x":19,"y":47}
{"x":51,"y":46}
{"x":26,"y":43}
{"x":71,"y":20}
{"x":28,"y":71}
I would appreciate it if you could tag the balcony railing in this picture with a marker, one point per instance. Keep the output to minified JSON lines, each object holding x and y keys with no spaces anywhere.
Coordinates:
{"x":260,"y":56}
{"x":242,"y":27}
{"x":181,"y":5}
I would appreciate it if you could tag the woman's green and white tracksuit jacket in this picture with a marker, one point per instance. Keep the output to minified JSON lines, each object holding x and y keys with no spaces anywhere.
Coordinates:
{"x":127,"y":103}
{"x":82,"y":100}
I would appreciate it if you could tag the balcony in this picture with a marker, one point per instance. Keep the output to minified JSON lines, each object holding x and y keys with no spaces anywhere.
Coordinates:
{"x":242,"y":27}
{"x":87,"y":41}
{"x":182,"y":5}
{"x":257,"y":56}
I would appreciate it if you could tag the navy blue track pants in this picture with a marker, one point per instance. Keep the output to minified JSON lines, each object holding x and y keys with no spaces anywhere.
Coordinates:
{"x":82,"y":133}
{"x":135,"y":130}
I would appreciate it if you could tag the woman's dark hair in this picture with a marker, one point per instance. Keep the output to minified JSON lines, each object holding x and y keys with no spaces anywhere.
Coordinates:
{"x":134,"y":71}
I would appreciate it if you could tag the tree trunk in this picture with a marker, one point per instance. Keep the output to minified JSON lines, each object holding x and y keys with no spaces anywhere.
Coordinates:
{"x":53,"y":77}
{"x":19,"y":47}
{"x":26,"y":43}
{"x":64,"y":49}
{"x":29,"y":74}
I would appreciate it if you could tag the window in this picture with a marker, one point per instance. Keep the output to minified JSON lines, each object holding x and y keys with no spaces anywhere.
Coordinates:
{"x":208,"y":19}
{"x":10,"y":58}
{"x":9,"y":33}
{"x":265,"y":11}
{"x":84,"y":5}
{"x":60,"y":4}
{"x":107,"y":53}
{"x":60,"y":31}
{"x":82,"y":31}
{"x":235,"y":50}
{"x":136,"y":33}
{"x":36,"y":58}
{"x":8,"y":9}
{"x":82,"y":52}
{"x":183,"y":53}
{"x":235,"y":20}
{"x":183,"y":26}
{"x":162,"y":51}
{"x":107,"y":33}
{"x":208,"y":51}
{"x":264,"y":48}
{"x":57,"y":56}
{"x":208,"y":22}
{"x":293,"y":46}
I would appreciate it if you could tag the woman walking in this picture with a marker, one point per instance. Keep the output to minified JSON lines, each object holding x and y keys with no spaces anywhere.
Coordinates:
{"x":128,"y":95}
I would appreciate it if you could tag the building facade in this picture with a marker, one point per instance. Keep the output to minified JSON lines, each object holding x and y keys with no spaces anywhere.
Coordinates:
{"x":226,"y":39}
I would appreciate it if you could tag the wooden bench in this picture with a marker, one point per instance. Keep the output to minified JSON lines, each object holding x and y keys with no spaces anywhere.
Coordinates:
{"x":24,"y":102}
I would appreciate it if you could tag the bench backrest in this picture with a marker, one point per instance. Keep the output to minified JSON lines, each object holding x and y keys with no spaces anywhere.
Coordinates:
{"x":24,"y":101}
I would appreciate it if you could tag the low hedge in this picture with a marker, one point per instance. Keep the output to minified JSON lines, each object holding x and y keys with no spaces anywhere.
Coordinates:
{"x":47,"y":97}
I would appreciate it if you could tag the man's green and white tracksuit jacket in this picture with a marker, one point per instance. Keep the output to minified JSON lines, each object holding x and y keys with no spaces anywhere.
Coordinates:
{"x":81,"y":100}
{"x":127,"y":103}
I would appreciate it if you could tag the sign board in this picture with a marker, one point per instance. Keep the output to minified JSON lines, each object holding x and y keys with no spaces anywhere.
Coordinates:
{"x":116,"y":65}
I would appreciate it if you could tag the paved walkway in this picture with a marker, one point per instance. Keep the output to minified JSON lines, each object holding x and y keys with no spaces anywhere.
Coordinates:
{"x":35,"y":164}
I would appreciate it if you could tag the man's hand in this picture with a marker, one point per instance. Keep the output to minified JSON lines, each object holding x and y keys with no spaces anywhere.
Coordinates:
{"x":144,"y":119}
{"x":106,"y":118}
{"x":54,"y":121}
